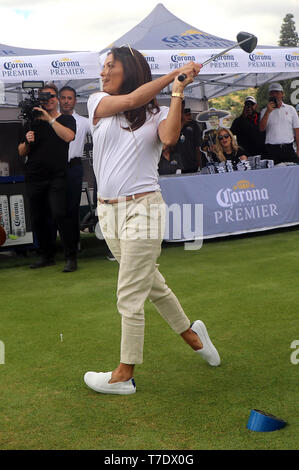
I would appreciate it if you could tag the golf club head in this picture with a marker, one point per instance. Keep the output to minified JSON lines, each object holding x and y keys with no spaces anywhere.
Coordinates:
{"x":249,"y":41}
{"x":246,"y":41}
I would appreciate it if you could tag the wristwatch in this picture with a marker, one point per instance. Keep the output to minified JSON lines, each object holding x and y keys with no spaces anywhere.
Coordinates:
{"x":178,"y":95}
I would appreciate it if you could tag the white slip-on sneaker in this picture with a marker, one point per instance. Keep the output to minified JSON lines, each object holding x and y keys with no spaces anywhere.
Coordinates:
{"x":99,"y":382}
{"x":208,"y":352}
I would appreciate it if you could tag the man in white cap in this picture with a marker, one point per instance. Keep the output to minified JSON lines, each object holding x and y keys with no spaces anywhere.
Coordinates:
{"x":281,"y":123}
{"x":246,"y":128}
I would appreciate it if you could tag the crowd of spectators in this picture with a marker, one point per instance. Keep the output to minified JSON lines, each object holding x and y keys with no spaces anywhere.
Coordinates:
{"x":272,"y":133}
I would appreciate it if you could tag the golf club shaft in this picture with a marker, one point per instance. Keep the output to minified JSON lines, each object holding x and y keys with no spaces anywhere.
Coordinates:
{"x":182,"y":77}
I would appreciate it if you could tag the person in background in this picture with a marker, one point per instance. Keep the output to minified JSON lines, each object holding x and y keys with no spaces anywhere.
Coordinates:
{"x":281,"y":123}
{"x":129,"y":129}
{"x":188,"y":145}
{"x":246,"y":128}
{"x":227,"y":149}
{"x":74,"y":174}
{"x":45,"y":144}
{"x":209,"y":137}
{"x":170,"y":161}
{"x":67,"y":101}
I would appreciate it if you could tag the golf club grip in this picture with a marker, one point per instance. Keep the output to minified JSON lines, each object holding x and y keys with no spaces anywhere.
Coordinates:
{"x":182,"y":77}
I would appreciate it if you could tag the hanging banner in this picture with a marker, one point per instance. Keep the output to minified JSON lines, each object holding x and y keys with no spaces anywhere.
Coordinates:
{"x":63,"y":66}
{"x":268,"y":60}
{"x":235,"y":61}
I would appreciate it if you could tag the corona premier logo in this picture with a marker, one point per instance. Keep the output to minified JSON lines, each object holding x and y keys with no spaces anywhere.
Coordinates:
{"x":291,"y":57}
{"x":17,"y":64}
{"x":65,"y":62}
{"x":242,"y":192}
{"x":182,"y":57}
{"x":17,"y":220}
{"x":65,"y":67}
{"x":18,"y":68}
{"x":259,"y":56}
{"x":244,"y":201}
{"x":224,"y":57}
{"x":260,"y":60}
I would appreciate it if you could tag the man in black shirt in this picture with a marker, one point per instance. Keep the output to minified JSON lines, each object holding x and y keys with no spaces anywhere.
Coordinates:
{"x":188,"y":145}
{"x":46,"y":145}
{"x":246,"y":128}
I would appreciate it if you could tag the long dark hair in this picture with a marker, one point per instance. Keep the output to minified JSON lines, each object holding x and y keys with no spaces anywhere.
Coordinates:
{"x":136,"y":73}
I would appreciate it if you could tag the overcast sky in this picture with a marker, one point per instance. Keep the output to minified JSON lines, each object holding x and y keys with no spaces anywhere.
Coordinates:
{"x":94,"y":24}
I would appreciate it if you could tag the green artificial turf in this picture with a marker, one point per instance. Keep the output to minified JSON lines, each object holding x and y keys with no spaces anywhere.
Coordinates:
{"x":245,"y":289}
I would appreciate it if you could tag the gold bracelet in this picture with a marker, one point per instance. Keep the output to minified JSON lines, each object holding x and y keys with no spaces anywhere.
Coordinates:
{"x":178,"y":95}
{"x":51,"y":122}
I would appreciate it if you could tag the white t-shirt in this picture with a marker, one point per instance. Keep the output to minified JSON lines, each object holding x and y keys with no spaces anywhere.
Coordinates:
{"x":281,"y":124}
{"x":76,"y":147}
{"x":125,"y":162}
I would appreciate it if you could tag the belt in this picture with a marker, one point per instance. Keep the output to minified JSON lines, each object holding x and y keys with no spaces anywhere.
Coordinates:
{"x":281,"y":146}
{"x":74,"y":161}
{"x":123,"y":198}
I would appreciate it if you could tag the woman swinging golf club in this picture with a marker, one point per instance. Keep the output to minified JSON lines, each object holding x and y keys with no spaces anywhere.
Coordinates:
{"x":129,"y":129}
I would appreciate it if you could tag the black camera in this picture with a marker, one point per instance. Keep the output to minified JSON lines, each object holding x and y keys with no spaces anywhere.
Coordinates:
{"x":272,"y":99}
{"x":35,"y":100}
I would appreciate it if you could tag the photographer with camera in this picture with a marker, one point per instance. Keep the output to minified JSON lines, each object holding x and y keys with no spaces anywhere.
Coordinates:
{"x":246,"y":128}
{"x":45,"y":141}
{"x":281,"y":123}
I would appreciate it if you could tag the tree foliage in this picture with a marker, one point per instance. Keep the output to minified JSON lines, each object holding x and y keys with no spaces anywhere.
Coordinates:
{"x":234,"y":101}
{"x":288,"y":34}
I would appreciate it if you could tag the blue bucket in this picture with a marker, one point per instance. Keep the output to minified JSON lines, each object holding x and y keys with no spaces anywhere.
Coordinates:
{"x":264,"y":422}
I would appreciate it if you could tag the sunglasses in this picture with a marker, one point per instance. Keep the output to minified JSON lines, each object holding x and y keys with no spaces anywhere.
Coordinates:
{"x":225,"y":136}
{"x":128,"y":47}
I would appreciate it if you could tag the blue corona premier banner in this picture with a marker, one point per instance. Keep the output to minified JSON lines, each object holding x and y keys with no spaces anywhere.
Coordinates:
{"x":231,"y":203}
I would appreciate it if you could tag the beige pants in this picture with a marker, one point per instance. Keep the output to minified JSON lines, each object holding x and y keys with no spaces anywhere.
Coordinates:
{"x":134,"y":231}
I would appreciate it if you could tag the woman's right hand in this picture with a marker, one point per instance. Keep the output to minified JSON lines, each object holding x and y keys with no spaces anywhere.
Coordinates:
{"x":30,"y":137}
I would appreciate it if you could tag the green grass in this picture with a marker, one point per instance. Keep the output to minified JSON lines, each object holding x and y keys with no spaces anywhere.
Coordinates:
{"x":246,"y":291}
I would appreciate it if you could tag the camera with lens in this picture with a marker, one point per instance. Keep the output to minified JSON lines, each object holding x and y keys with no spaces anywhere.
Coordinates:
{"x":272,"y":99}
{"x":35,"y":100}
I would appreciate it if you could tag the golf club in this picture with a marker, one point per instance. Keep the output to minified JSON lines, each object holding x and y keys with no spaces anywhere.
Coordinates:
{"x":246,"y":41}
